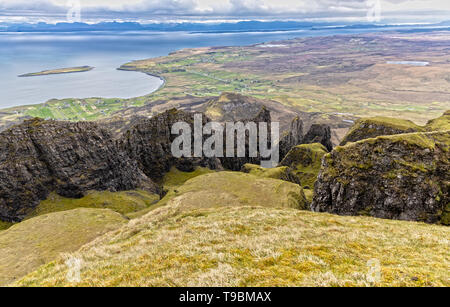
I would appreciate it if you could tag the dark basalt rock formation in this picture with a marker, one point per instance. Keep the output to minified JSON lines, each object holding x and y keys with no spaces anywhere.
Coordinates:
{"x":149,"y":143}
{"x":319,"y":134}
{"x":236,"y":164}
{"x":38,"y":157}
{"x":293,"y":138}
{"x":404,"y":177}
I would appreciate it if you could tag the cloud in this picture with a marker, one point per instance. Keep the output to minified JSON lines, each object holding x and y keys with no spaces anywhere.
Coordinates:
{"x":225,"y":8}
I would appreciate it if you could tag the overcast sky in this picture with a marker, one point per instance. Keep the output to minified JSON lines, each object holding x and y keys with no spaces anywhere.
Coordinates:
{"x":168,"y":10}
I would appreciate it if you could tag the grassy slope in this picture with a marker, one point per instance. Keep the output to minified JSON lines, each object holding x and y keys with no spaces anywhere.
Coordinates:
{"x":235,"y":189}
{"x":255,"y":246}
{"x":176,"y":178}
{"x":27,"y":245}
{"x":121,"y":202}
{"x":257,"y":170}
{"x":171,"y":182}
{"x":442,"y":123}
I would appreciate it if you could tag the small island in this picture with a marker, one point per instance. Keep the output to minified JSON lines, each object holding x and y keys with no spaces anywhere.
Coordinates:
{"x":59,"y":71}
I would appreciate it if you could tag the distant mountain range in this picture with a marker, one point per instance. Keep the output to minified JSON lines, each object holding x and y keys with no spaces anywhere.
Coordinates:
{"x":243,"y":26}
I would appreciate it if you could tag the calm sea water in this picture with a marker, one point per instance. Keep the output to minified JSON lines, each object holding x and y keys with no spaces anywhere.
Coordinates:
{"x":22,"y":53}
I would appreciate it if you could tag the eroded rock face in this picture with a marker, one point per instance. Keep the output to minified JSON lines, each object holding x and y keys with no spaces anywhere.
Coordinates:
{"x":236,"y":164}
{"x":293,"y":138}
{"x":38,"y":157}
{"x":319,"y":134}
{"x":149,"y":143}
{"x":404,"y":177}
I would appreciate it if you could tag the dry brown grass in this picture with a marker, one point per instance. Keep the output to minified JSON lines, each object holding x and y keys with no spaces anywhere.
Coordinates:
{"x":27,"y":245}
{"x":256,"y":246}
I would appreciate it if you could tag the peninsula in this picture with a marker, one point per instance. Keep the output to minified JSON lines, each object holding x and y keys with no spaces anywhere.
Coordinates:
{"x":59,"y":71}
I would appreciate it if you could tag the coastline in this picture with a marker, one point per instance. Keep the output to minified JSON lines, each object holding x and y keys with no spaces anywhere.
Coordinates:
{"x":164,"y":81}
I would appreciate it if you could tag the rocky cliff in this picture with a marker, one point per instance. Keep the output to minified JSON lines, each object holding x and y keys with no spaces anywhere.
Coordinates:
{"x":293,"y":137}
{"x":236,"y":164}
{"x":149,"y":143}
{"x":319,"y":133}
{"x":38,"y":157}
{"x":405,"y":177}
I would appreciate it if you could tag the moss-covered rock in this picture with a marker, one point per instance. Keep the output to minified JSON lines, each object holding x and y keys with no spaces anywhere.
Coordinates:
{"x":5,"y":225}
{"x":121,"y":202}
{"x":236,"y":189}
{"x":404,"y":177}
{"x":440,"y":124}
{"x":319,"y":133}
{"x":367,"y":128}
{"x":32,"y":243}
{"x":445,"y":219}
{"x":305,"y":162}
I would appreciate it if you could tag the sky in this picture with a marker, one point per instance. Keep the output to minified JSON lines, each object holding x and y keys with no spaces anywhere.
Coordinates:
{"x":147,"y":11}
